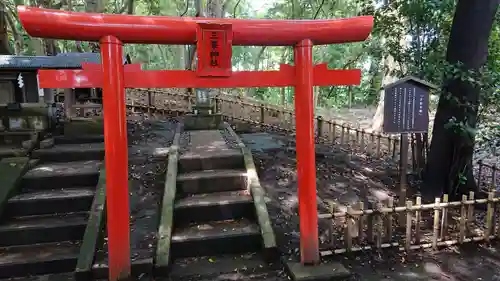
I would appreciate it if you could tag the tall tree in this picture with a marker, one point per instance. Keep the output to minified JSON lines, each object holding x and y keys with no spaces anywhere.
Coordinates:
{"x":449,"y":167}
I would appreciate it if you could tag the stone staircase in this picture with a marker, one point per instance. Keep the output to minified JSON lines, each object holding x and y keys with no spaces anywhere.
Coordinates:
{"x":216,"y":224}
{"x":43,"y":223}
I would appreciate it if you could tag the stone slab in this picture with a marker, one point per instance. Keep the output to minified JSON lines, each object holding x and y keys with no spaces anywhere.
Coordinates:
{"x":205,"y":141}
{"x":78,"y":139}
{"x":216,"y":238}
{"x":19,"y":261}
{"x":90,"y":167}
{"x":212,"y":181}
{"x":332,"y":271}
{"x":162,"y":260}
{"x":220,"y":152}
{"x":208,"y":150}
{"x":70,"y":152}
{"x":93,"y":231}
{"x":43,"y":202}
{"x":11,"y":151}
{"x":262,"y":142}
{"x":221,"y":160}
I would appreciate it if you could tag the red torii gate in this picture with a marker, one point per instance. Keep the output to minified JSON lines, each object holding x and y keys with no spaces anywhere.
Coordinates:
{"x":214,"y":38}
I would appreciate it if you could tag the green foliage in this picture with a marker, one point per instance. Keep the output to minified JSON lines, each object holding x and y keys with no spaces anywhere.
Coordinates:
{"x":409,"y":38}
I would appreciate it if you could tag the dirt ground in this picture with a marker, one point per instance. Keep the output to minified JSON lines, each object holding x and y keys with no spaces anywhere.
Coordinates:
{"x":341,"y":177}
{"x":147,"y":140}
{"x":347,"y":179}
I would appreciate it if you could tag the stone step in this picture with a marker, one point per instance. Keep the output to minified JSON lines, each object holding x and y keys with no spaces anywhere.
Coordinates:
{"x":211,"y":160}
{"x":216,"y":238}
{"x":42,"y":229}
{"x":78,"y":140}
{"x":208,"y":181}
{"x":76,"y":199}
{"x":48,"y":176}
{"x":70,"y":152}
{"x":68,"y":276}
{"x":217,"y":206}
{"x":18,"y":261}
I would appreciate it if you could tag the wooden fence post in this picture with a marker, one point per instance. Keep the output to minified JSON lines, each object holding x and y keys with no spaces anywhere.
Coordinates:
{"x":334,"y":132}
{"x":388,"y":220}
{"x":349,"y":227}
{"x":470,"y":213}
{"x":342,"y":134}
{"x":418,"y":217}
{"x":332,"y":207}
{"x":369,"y":224}
{"x":361,"y":221}
{"x":149,"y":102}
{"x":463,"y":218}
{"x":444,"y":218}
{"x":489,"y":217}
{"x":319,"y":122}
{"x":378,"y":145}
{"x":435,"y":228}
{"x":409,"y":217}
{"x":493,"y":178}
{"x":362,"y":142}
{"x":262,"y":114}
{"x":372,"y":143}
{"x":394,"y":149}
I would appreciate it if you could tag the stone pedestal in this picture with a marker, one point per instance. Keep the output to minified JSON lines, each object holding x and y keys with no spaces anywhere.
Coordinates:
{"x":78,"y":127}
{"x":202,"y":121}
{"x":205,"y":109}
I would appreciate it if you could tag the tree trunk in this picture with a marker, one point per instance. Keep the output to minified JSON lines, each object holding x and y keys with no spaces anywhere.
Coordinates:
{"x":283,"y":60}
{"x":251,"y":92}
{"x":4,"y":38}
{"x":95,"y":6}
{"x":449,"y":167}
{"x":388,"y":77}
{"x":50,"y":45}
{"x":192,"y":48}
{"x":18,"y":40}
{"x":214,"y":9}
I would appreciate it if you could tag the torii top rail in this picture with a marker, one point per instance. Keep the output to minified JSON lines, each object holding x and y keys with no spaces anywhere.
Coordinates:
{"x":214,"y":38}
{"x":182,"y":30}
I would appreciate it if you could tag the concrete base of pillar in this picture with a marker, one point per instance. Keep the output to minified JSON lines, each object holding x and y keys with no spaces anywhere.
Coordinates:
{"x":330,"y":271}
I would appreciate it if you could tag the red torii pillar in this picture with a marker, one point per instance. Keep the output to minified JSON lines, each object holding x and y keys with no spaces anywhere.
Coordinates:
{"x":213,"y":36}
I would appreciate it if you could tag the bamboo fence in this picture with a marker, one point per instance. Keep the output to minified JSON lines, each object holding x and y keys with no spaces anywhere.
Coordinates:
{"x":412,"y":226}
